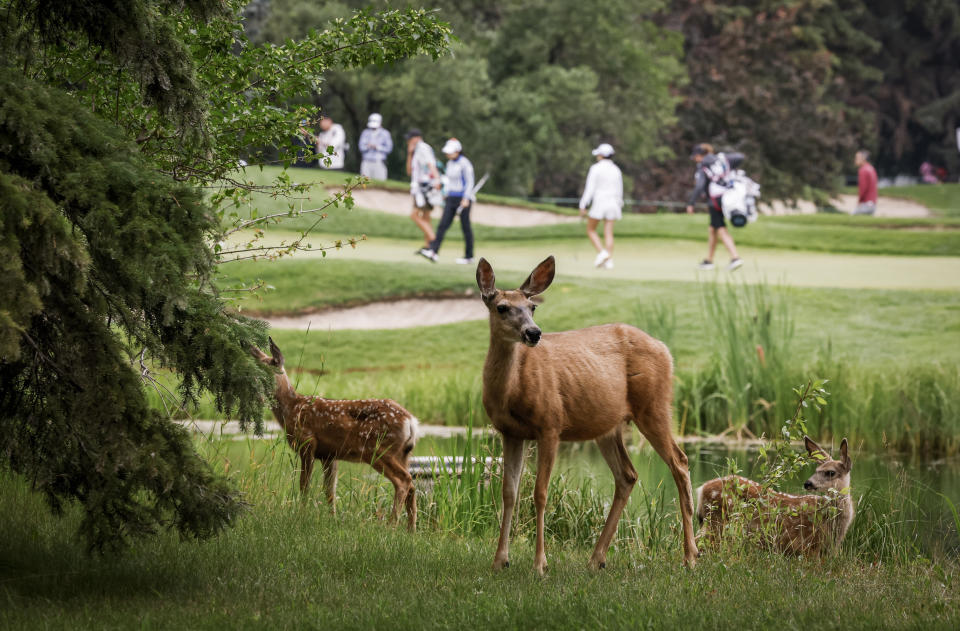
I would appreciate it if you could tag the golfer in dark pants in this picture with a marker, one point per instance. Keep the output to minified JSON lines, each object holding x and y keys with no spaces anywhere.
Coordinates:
{"x":709,"y":179}
{"x":460,"y":198}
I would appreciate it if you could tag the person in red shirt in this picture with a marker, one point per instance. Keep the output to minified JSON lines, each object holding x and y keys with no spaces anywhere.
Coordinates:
{"x":866,"y":184}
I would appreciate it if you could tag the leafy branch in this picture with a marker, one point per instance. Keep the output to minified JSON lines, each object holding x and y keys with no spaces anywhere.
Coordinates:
{"x":779,"y":460}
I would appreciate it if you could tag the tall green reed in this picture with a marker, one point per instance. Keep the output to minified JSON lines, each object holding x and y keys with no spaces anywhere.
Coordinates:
{"x":745,"y":389}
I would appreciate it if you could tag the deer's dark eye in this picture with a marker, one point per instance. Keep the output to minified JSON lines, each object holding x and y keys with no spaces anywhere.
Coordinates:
{"x":533,"y":308}
{"x":502,"y":309}
{"x":830,"y":474}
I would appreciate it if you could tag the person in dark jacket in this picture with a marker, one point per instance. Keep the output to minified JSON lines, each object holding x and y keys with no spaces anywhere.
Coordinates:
{"x":710,"y":180}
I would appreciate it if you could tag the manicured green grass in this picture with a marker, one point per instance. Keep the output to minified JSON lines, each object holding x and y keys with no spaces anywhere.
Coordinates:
{"x":818,"y":233}
{"x":861,"y":325}
{"x":897,"y":384}
{"x":290,"y":564}
{"x":645,"y":260}
{"x":302,"y":285}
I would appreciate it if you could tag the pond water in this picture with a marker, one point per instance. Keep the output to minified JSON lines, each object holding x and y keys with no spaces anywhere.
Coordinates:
{"x":911,"y":495}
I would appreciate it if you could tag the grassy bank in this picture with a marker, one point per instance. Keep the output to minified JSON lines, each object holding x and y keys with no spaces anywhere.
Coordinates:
{"x":291,"y":564}
{"x":819,"y":233}
{"x":897,"y":382}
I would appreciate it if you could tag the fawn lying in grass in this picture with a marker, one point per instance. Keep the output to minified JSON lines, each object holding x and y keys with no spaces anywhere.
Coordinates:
{"x":376,"y":431}
{"x":797,"y":524}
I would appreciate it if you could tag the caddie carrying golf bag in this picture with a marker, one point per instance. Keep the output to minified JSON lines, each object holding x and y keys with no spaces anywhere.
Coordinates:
{"x":737,"y":193}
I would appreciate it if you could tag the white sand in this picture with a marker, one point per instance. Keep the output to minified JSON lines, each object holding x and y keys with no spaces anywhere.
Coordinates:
{"x":886,"y":207}
{"x":397,"y":314}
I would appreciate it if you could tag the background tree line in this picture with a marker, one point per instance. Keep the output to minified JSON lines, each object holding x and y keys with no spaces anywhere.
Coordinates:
{"x":530,"y":87}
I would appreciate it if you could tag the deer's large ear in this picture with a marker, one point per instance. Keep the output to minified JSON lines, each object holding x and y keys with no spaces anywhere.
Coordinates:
{"x":844,"y":456}
{"x":277,"y":355}
{"x":540,"y":278}
{"x":486,"y":280}
{"x":815,"y":451}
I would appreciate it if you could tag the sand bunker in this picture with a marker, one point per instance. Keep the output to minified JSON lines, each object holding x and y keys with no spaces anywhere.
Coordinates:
{"x":886,"y":207}
{"x":398,"y":314}
{"x":399,"y":203}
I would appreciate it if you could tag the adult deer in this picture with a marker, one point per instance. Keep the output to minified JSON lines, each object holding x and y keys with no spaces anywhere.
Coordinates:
{"x":578,"y":385}
{"x":376,"y":431}
{"x":810,"y":525}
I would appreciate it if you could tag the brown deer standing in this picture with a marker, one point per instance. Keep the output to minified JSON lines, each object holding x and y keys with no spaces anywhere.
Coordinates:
{"x":376,"y":431}
{"x":795,"y":524}
{"x":578,"y":385}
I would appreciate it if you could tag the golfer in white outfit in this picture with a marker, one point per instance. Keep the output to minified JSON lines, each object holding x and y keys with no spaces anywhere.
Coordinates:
{"x":603,"y":192}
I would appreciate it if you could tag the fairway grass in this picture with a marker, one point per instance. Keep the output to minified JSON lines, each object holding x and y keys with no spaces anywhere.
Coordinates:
{"x":889,"y":353}
{"x":291,"y":564}
{"x":643,"y":260}
{"x":937,"y":236}
{"x":869,"y":326}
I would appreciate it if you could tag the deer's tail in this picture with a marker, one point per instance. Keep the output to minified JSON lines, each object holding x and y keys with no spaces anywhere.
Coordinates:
{"x":413,"y":427}
{"x":701,"y":512}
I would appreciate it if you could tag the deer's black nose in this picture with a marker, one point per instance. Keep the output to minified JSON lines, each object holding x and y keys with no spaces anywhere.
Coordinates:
{"x":531,"y":336}
{"x":808,"y":485}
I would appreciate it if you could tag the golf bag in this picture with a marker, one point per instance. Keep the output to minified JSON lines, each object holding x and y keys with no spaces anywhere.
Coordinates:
{"x":736,"y":192}
{"x":739,"y":201}
{"x":427,"y":196}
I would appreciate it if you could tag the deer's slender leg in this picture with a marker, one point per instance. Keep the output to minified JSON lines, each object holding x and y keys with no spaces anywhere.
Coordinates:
{"x":406,"y":494}
{"x":656,"y":427}
{"x":512,"y":468}
{"x":330,"y":481}
{"x":401,"y":479}
{"x":306,"y":468}
{"x":624,"y":477}
{"x":546,"y":454}
{"x":411,"y":497}
{"x":412,"y":508}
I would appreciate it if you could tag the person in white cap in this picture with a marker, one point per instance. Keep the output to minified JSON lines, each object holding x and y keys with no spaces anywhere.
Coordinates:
{"x":375,"y":145}
{"x":603,"y":192}
{"x":460,"y":198}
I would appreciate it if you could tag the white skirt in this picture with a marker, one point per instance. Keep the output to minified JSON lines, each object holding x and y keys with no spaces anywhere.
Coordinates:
{"x":607,"y":211}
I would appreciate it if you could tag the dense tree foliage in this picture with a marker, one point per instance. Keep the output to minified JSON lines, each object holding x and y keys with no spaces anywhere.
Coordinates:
{"x":913,"y":93}
{"x":530,"y":88}
{"x":114,"y":119}
{"x":799,"y":85}
{"x":796,"y":84}
{"x":763,"y":81}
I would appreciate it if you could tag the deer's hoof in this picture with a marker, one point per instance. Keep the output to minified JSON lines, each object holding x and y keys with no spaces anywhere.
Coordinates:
{"x":500,"y":565}
{"x":602,"y":566}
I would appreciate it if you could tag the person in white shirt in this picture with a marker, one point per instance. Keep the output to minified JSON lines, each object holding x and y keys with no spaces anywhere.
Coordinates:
{"x":460,"y":198}
{"x":603,"y":192}
{"x":331,"y":135}
{"x":425,"y":182}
